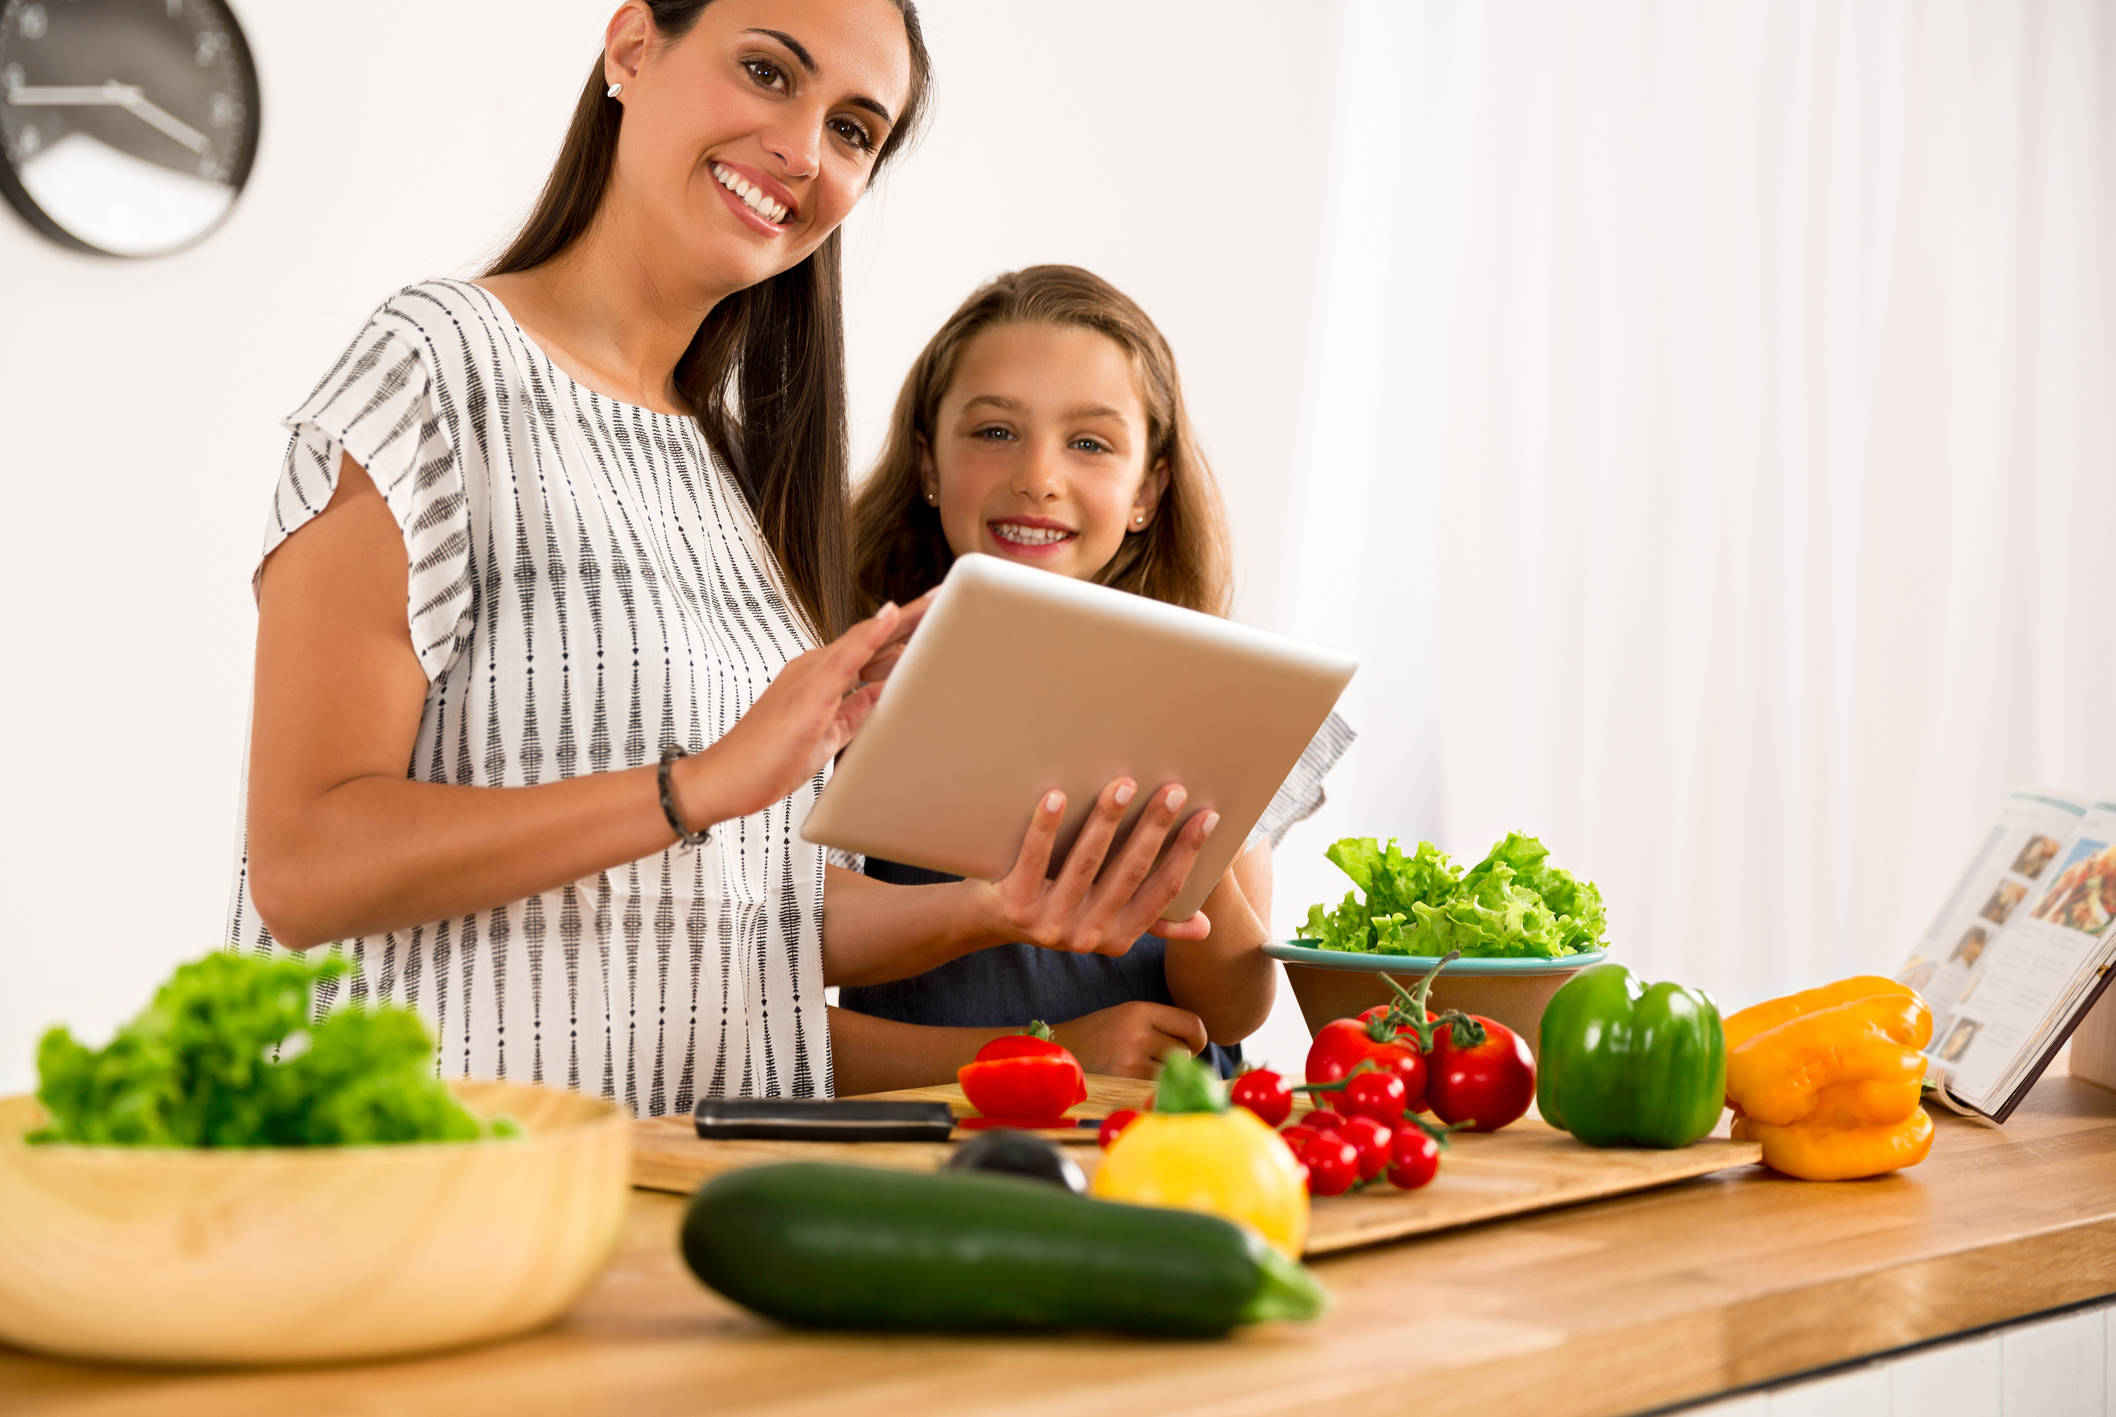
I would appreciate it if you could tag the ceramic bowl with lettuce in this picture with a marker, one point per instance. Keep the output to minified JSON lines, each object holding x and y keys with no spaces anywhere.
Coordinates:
{"x":1522,"y":927}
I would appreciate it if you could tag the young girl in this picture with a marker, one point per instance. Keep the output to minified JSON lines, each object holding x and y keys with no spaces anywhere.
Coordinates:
{"x":1044,"y":423}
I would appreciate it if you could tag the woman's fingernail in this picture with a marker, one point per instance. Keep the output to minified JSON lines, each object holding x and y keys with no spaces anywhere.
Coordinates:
{"x":887,"y":606}
{"x":1212,"y":819}
{"x":1176,"y":798}
{"x":1123,"y":795}
{"x":1052,"y":801}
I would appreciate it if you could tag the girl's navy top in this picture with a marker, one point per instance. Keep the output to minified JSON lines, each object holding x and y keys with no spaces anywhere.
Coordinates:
{"x":1007,"y":986}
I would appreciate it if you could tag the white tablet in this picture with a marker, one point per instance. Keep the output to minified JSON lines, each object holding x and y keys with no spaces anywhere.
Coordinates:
{"x":1022,"y":680}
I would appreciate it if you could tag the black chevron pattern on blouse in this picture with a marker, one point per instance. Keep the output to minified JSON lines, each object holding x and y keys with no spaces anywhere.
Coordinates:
{"x":587,"y":586}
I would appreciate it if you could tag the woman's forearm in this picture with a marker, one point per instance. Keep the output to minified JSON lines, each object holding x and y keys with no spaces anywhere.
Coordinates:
{"x":869,"y":1054}
{"x":1226,"y":979}
{"x":379,"y":853}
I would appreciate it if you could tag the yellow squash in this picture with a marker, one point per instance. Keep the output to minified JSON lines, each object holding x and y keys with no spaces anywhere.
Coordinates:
{"x":1187,"y":1154}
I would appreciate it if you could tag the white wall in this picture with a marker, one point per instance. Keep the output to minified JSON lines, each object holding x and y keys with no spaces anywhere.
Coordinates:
{"x":139,"y":401}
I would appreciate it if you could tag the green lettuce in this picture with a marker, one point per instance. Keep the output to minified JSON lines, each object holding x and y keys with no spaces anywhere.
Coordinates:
{"x":1512,"y":904}
{"x":226,"y":1056}
{"x":1581,"y":921}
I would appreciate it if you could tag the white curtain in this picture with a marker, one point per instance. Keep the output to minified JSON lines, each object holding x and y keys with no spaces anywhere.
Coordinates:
{"x":1711,"y":451}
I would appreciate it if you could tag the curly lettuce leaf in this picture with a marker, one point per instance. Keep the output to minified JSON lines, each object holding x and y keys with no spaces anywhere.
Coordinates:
{"x":225,"y":1056}
{"x":1512,"y":904}
{"x":1395,"y":884}
{"x":1494,"y":917}
{"x":1582,"y":921}
{"x":1345,"y":928}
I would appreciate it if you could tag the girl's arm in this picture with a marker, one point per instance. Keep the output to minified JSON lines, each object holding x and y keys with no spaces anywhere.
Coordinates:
{"x":1226,"y":979}
{"x":341,"y":844}
{"x":874,"y":932}
{"x":869,"y":1054}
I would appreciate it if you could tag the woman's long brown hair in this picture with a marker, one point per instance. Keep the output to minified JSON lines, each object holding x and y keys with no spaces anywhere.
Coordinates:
{"x":1181,"y":557}
{"x":765,"y":374}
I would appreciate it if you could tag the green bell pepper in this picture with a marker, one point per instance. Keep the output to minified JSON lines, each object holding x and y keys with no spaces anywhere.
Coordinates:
{"x":1625,"y":1061}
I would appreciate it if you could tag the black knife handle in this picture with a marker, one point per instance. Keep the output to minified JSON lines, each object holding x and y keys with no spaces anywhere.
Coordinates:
{"x":821,"y":1119}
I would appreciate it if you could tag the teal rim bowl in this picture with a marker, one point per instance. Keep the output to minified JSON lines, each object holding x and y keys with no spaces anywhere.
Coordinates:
{"x":1294,"y":952}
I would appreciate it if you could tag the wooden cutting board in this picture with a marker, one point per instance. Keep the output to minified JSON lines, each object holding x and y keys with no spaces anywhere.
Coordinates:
{"x":1526,"y":1167}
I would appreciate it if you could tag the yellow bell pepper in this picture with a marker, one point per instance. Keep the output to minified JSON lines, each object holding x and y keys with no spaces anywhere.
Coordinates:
{"x":1775,"y":1076}
{"x":1817,"y":1153}
{"x":1865,"y":1104}
{"x":1828,"y":1080}
{"x":1757,"y":1018}
{"x":1188,"y":1154}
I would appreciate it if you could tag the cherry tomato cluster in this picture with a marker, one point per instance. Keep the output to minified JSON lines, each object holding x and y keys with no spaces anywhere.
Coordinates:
{"x":1372,"y":1075}
{"x":1365,"y":1135}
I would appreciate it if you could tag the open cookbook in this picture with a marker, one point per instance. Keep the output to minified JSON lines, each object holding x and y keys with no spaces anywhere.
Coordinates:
{"x":2022,"y":948}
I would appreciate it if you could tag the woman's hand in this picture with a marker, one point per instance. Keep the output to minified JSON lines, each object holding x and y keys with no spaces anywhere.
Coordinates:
{"x":1130,"y":1040}
{"x":807,"y":714}
{"x":1090,"y":908}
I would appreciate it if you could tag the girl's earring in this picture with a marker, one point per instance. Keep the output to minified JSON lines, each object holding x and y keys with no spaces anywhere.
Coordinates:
{"x":615,"y":90}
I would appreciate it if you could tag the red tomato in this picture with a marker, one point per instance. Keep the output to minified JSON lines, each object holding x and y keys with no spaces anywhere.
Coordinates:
{"x":1297,"y":1137}
{"x":1381,"y":1096}
{"x":1114,"y":1124}
{"x":1265,"y":1093}
{"x":1333,"y":1165}
{"x":1322,"y":1119}
{"x":1414,"y":1158}
{"x":1372,"y":1137}
{"x":1486,"y":1086}
{"x":1343,"y":1044}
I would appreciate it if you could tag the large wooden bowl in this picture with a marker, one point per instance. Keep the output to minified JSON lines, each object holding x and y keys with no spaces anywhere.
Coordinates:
{"x":1513,"y":992}
{"x":142,"y":1255}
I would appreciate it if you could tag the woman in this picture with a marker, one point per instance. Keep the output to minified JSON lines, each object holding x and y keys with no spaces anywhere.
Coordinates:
{"x":538,"y":708}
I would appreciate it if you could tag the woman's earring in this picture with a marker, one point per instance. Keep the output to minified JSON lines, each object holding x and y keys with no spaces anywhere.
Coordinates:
{"x":932,"y":499}
{"x":1139,"y":519}
{"x":615,"y":90}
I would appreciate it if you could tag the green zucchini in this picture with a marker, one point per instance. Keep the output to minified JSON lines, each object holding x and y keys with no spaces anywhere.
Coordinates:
{"x":822,"y":1246}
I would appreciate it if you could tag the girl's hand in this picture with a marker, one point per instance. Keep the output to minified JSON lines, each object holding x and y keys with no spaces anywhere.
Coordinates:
{"x":807,"y":714}
{"x":1130,"y":1040}
{"x":1089,"y":909}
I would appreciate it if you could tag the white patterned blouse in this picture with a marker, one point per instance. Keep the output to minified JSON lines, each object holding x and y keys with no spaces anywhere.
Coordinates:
{"x":587,"y":587}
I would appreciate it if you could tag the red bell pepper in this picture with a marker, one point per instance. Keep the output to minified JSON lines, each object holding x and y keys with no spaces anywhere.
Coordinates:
{"x":1024,"y":1080}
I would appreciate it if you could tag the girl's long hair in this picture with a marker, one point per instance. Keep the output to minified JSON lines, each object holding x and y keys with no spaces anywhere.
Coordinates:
{"x":1183,"y":554}
{"x":765,"y":374}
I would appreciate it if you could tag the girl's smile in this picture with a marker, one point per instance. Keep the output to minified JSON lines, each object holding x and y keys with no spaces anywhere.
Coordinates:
{"x":1030,"y":536}
{"x":1040,"y":449}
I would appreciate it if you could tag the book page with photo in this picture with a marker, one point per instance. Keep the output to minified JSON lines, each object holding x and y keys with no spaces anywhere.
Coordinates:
{"x":2039,"y":971}
{"x":2032,"y":828}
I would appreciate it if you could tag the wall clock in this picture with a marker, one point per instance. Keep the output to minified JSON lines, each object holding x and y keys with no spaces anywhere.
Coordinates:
{"x":127,"y":126}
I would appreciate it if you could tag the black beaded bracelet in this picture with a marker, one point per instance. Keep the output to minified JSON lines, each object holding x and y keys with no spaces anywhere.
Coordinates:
{"x":689,"y":840}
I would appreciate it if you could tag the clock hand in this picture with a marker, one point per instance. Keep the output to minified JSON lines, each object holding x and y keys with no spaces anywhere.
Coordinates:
{"x":156,"y":116}
{"x":111,"y":94}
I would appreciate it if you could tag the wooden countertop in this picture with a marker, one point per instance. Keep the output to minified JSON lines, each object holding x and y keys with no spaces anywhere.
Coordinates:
{"x":1615,"y":1306}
